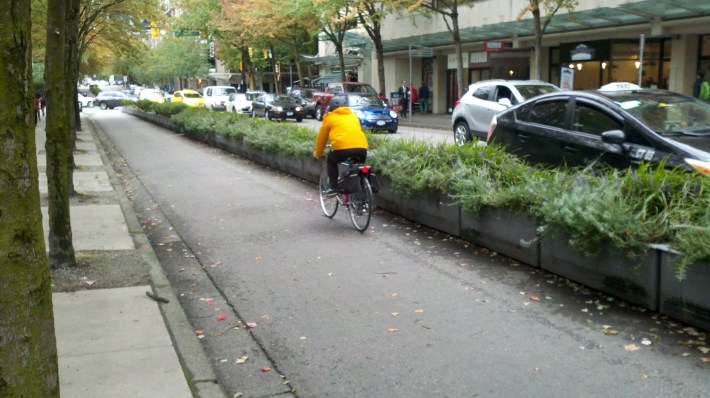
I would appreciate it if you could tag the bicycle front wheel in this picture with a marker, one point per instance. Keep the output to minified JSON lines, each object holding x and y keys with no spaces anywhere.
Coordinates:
{"x":329,"y":203}
{"x":361,"y":205}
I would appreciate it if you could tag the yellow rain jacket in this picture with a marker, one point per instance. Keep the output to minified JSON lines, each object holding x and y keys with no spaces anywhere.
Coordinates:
{"x":342,"y":128}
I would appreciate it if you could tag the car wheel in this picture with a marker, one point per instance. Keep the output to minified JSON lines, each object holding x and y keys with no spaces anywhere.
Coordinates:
{"x":103,"y":106}
{"x":267,"y":116}
{"x":393,"y":131}
{"x":90,"y":104}
{"x":319,"y":113}
{"x":234,"y":109}
{"x":461,"y":133}
{"x":299,"y":119}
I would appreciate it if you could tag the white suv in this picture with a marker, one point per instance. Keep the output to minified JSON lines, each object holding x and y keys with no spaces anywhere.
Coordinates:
{"x":475,"y":110}
{"x":215,"y":96}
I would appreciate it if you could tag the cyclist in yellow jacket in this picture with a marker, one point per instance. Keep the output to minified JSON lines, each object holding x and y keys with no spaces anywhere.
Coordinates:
{"x":342,"y":128}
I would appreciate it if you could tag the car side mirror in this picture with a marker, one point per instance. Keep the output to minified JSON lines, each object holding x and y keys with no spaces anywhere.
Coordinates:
{"x":617,"y":137}
{"x":505,"y":102}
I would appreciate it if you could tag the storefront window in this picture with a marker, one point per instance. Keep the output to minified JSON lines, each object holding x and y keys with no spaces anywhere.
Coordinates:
{"x":626,"y":63}
{"x":704,"y":57}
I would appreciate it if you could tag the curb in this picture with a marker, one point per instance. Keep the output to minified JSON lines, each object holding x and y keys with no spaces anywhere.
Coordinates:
{"x":198,"y":369}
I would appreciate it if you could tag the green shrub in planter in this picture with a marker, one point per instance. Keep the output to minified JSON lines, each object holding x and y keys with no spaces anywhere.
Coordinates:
{"x":145,"y":105}
{"x":169,"y":108}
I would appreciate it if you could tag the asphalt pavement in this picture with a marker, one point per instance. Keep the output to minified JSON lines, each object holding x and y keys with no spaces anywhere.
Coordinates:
{"x":291,"y":302}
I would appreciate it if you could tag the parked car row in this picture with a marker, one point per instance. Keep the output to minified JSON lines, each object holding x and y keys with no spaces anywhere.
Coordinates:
{"x":619,"y":125}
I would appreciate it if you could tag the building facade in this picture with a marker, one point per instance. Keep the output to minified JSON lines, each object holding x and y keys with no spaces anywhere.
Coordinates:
{"x":601,"y":41}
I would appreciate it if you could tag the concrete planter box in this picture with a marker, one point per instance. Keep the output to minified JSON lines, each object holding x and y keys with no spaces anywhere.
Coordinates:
{"x":311,"y":169}
{"x":435,"y":210}
{"x":635,"y":280}
{"x":502,"y":230}
{"x":387,"y":197}
{"x":687,"y":300}
{"x":229,"y":144}
{"x":289,"y":164}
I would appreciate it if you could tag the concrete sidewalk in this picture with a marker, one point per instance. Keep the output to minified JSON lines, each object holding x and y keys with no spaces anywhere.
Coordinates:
{"x":117,"y":341}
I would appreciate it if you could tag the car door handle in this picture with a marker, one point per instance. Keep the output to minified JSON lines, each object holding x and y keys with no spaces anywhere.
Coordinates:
{"x":570,"y":149}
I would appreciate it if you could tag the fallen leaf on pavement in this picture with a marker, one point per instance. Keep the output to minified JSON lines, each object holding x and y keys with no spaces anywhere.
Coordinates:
{"x":537,"y":369}
{"x":251,"y":325}
{"x":265,"y":369}
{"x":419,"y":310}
{"x":394,"y":294}
{"x":705,"y":359}
{"x":646,"y":342}
{"x":209,"y":301}
{"x":392,"y":330}
{"x":220,"y":317}
{"x":631,"y":347}
{"x":395,"y":314}
{"x":534,"y":298}
{"x":258,"y":258}
{"x":242,"y":359}
{"x":704,"y":350}
{"x":199,"y":332}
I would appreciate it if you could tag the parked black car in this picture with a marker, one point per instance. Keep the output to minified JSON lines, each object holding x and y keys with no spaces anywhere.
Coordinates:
{"x":304,"y":96}
{"x":276,"y":107}
{"x":619,"y":125}
{"x":110,"y":99}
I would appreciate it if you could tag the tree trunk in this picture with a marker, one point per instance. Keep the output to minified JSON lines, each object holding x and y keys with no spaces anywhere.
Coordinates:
{"x":59,"y":126}
{"x":72,"y":70}
{"x":28,"y":351}
{"x":297,"y":60}
{"x":538,"y":44}
{"x":459,"y":54}
{"x":380,"y":54}
{"x":341,"y":59}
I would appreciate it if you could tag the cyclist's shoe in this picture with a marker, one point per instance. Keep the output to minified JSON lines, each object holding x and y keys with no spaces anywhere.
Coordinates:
{"x":329,"y":193}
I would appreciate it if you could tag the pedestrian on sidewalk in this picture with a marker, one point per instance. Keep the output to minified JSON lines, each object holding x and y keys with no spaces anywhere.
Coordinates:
{"x":403,"y":98}
{"x":424,"y":98}
{"x":42,"y":104}
{"x":36,"y":106}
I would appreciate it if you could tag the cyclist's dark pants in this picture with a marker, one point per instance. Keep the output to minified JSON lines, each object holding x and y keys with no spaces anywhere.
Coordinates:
{"x":335,"y":157}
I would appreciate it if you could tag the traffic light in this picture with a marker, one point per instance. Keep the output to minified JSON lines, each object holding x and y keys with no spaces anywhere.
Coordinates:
{"x":154,"y":30}
{"x":251,"y":52}
{"x":241,"y":66}
{"x":266,"y":54}
{"x":276,"y":68}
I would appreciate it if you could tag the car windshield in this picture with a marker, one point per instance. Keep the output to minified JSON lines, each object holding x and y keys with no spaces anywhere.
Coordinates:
{"x":192,"y":95}
{"x":667,"y":113}
{"x":365,"y":89}
{"x":533,"y":90}
{"x":281,"y":98}
{"x":223,"y":90}
{"x":152,"y":94}
{"x":252,"y":96}
{"x":364,"y":101}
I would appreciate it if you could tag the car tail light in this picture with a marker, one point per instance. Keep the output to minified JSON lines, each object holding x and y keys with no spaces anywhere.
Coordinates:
{"x":458,"y":101}
{"x":703,"y":167}
{"x":492,"y":127}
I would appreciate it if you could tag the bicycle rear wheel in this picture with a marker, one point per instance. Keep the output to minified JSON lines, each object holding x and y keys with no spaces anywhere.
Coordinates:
{"x":328,"y":203}
{"x":361,"y":205}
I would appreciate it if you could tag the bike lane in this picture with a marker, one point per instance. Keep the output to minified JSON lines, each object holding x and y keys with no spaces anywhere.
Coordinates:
{"x":400,"y":311}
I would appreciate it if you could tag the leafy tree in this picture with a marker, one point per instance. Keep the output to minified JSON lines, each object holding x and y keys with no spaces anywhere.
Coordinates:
{"x":449,"y":10}
{"x":28,"y":352}
{"x":551,"y":7}
{"x":371,"y":14}
{"x":280,"y":25}
{"x":337,"y":17}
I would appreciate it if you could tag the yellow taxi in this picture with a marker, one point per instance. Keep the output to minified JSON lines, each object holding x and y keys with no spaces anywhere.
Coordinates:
{"x":189,"y":97}
{"x":151,"y":95}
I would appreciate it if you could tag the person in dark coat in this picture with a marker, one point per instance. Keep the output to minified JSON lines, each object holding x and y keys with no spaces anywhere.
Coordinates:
{"x":404,"y":98}
{"x":424,"y":98}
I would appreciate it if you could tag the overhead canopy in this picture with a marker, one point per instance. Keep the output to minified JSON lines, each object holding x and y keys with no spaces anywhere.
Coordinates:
{"x":351,"y":60}
{"x":625,"y":14}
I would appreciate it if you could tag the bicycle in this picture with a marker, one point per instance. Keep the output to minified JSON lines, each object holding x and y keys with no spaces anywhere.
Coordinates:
{"x":355,"y":192}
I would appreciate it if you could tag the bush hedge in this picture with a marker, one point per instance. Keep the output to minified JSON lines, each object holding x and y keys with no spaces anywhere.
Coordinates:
{"x":593,"y":206}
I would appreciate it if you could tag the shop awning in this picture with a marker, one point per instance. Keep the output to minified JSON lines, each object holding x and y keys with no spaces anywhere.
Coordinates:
{"x":625,"y":14}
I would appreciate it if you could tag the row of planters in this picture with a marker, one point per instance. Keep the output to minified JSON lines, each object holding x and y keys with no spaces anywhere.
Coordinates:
{"x":640,"y":235}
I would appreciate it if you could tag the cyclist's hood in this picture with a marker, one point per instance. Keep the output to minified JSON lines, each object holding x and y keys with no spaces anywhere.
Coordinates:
{"x":343,"y":110}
